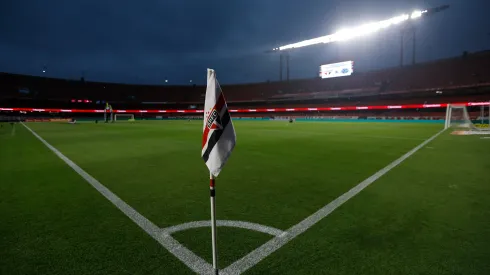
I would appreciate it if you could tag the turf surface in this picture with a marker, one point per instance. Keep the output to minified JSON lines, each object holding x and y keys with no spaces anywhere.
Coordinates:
{"x":427,"y":216}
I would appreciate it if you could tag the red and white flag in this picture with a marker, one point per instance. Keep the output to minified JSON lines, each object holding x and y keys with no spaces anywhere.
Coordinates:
{"x":218,"y":138}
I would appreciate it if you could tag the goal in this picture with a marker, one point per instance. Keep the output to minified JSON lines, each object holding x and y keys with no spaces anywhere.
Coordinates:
{"x":124,"y":117}
{"x":457,"y":116}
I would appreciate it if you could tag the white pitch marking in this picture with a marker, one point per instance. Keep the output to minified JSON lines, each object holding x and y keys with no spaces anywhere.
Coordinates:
{"x":239,"y":224}
{"x":269,"y":247}
{"x":194,"y":262}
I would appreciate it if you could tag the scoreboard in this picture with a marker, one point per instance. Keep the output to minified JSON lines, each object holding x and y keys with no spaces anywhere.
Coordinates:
{"x":345,"y":68}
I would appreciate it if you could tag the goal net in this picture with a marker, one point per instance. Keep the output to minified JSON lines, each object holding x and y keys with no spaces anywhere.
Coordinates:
{"x":123,"y":117}
{"x":457,"y":116}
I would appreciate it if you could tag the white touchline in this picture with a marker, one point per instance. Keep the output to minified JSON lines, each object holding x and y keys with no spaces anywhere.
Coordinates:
{"x":194,"y":262}
{"x":274,"y":244}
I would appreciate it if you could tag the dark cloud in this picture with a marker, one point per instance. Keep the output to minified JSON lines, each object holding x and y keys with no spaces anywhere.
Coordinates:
{"x":148,"y":41}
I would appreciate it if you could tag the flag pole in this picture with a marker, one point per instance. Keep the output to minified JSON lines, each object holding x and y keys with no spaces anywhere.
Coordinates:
{"x":213,"y":223}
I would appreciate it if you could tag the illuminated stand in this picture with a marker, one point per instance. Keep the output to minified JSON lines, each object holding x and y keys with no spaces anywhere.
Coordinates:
{"x":257,"y":110}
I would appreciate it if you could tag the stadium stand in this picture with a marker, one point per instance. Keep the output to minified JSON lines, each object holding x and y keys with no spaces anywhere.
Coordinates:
{"x":460,"y":79}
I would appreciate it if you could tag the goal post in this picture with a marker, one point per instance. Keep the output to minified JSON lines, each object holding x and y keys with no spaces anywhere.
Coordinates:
{"x":124,"y":117}
{"x":485,"y":115}
{"x":457,"y":116}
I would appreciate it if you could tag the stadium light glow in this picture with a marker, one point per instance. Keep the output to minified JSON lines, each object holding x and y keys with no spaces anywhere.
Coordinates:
{"x":350,"y":33}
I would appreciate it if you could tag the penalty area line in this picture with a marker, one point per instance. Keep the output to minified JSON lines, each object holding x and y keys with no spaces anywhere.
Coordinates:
{"x":191,"y":260}
{"x":275,"y":243}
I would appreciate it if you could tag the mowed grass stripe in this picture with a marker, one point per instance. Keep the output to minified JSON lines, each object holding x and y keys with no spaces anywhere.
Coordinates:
{"x":427,"y":216}
{"x":53,"y":222}
{"x":265,"y":250}
{"x":156,"y":166}
{"x":188,"y":257}
{"x":278,"y":175}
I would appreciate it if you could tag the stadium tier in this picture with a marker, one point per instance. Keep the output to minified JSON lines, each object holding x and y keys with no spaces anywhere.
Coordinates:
{"x":456,"y":80}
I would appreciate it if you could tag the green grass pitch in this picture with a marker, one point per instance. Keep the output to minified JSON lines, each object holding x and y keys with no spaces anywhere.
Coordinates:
{"x":429,"y":215}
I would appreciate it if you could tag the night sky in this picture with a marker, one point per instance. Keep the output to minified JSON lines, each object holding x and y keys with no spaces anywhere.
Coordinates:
{"x":146,"y":41}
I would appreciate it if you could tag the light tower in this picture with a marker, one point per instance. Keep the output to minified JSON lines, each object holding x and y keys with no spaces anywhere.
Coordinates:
{"x":363,"y":30}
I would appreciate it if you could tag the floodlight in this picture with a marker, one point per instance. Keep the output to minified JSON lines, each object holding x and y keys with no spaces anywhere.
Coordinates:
{"x":346,"y":34}
{"x":417,"y":14}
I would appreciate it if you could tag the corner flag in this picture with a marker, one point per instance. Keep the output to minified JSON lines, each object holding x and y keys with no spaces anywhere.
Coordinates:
{"x":218,"y":140}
